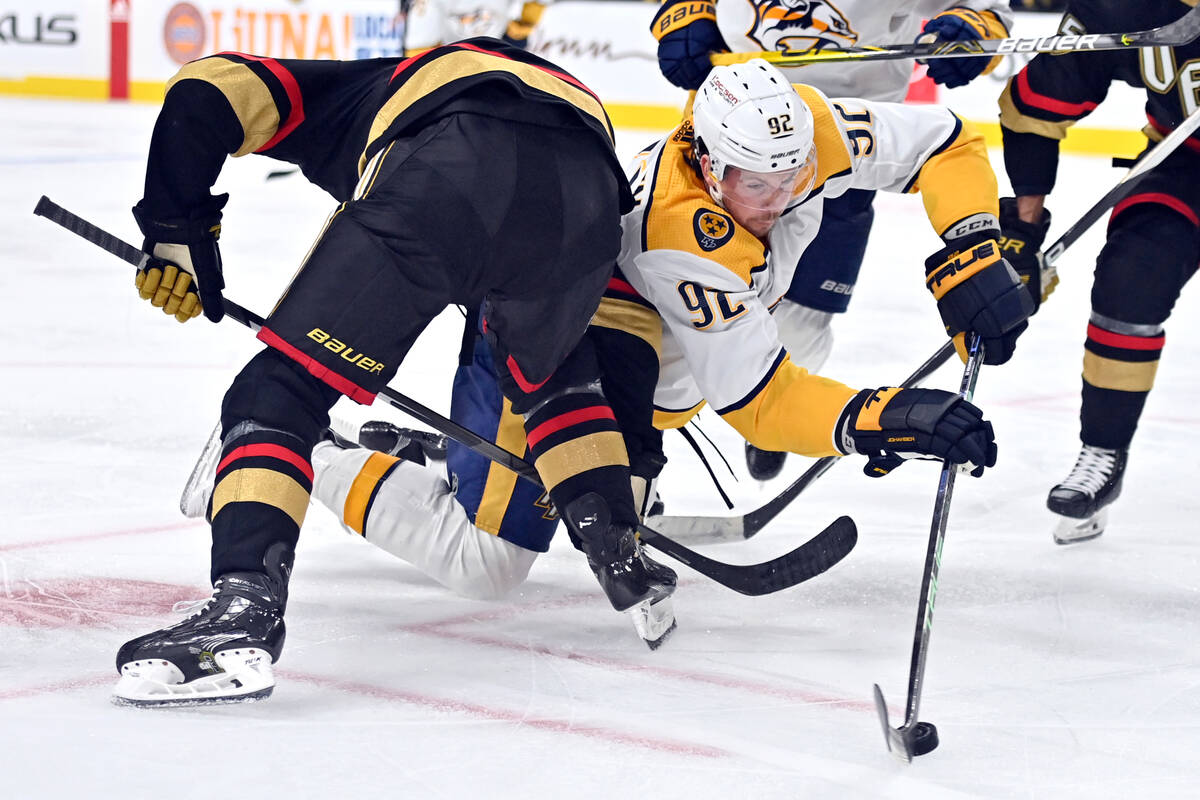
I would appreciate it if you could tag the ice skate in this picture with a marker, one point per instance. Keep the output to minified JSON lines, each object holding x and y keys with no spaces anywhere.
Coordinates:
{"x":220,"y":654}
{"x":631,"y":580}
{"x":1083,"y":497}
{"x":763,"y":464}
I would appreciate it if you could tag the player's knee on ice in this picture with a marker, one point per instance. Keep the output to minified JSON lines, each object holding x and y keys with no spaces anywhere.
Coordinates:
{"x":409,"y":511}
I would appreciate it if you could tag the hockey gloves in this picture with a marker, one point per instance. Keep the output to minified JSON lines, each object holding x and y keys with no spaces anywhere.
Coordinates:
{"x":976,"y":290}
{"x":185,"y":276}
{"x":956,"y":24}
{"x":687,"y":32}
{"x":889,"y":425}
{"x":1021,"y":246}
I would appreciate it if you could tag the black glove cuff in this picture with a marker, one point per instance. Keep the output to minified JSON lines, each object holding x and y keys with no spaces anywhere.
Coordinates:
{"x":844,"y":430}
{"x":201,"y":223}
{"x":1010,"y":220}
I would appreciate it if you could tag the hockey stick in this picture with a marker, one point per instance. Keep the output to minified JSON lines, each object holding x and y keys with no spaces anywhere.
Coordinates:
{"x":912,"y":738}
{"x":709,"y":530}
{"x":1180,"y":32}
{"x":705,"y":530}
{"x":807,"y":561}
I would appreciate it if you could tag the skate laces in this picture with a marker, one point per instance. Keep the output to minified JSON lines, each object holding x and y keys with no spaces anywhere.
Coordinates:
{"x":192,"y":607}
{"x":1092,"y":469}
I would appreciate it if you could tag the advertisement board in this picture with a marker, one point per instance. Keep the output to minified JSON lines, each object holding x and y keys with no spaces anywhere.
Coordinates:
{"x":129,"y":48}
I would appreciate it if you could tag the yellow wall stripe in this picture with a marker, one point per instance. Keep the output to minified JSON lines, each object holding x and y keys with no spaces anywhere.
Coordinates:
{"x":501,"y":481}
{"x":262,"y":486}
{"x":643,"y":116}
{"x":1124,"y":376}
{"x":354,"y":512}
{"x":604,"y":449}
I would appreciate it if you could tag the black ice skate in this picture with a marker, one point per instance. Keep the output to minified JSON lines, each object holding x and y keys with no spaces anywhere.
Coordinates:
{"x":406,"y":443}
{"x":1082,"y":499}
{"x":221,"y":653}
{"x":631,"y":580}
{"x":763,"y":464}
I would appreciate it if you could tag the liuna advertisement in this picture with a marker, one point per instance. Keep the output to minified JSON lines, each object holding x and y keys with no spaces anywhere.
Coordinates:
{"x":129,"y":48}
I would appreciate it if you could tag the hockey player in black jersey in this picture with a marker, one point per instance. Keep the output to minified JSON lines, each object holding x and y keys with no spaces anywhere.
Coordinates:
{"x":474,"y":173}
{"x":1153,"y":235}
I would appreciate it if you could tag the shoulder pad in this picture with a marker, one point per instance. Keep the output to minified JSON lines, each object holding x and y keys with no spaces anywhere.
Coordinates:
{"x":682,"y":216}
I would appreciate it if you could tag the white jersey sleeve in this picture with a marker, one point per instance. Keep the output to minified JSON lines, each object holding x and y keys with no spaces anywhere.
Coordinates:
{"x":431,"y":23}
{"x":889,"y":143}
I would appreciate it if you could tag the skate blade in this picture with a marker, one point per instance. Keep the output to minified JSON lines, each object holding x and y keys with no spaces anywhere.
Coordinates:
{"x":157,"y":683}
{"x":193,"y":503}
{"x":653,"y":621}
{"x":1074,"y":531}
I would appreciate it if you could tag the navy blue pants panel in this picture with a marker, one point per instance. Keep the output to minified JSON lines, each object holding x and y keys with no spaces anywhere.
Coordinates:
{"x":477,"y":404}
{"x":828,"y":269}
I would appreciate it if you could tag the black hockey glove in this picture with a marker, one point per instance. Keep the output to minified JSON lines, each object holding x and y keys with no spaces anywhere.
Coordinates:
{"x":185,"y":277}
{"x":956,"y":24}
{"x":1021,"y":245}
{"x":977,"y":290}
{"x":890,"y":425}
{"x":687,"y":33}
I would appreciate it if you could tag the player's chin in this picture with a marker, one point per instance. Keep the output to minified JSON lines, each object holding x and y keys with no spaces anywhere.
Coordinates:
{"x":760,"y":224}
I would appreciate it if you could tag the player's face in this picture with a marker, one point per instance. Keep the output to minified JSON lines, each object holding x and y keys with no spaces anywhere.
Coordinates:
{"x":757,"y":199}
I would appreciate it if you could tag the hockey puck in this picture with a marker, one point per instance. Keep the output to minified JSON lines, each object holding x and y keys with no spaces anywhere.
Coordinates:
{"x":924,"y":739}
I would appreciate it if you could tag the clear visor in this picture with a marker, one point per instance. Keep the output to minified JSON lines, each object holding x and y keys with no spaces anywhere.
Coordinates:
{"x":770,"y":192}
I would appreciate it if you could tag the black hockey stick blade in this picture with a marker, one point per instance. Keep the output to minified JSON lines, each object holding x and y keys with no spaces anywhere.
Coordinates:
{"x":807,"y":561}
{"x":712,"y":530}
{"x":754,"y":579}
{"x":1180,"y":32}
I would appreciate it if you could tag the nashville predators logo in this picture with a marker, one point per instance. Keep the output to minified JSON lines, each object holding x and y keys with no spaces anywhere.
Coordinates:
{"x":800,"y":25}
{"x":713,"y":229}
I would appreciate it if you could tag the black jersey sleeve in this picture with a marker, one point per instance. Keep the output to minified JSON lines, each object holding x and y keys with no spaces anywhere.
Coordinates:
{"x":195,"y":131}
{"x":1049,"y":95}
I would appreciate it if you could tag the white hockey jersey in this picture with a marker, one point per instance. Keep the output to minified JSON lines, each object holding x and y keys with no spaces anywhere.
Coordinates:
{"x":430,"y":23}
{"x":713,"y":284}
{"x":749,"y":25}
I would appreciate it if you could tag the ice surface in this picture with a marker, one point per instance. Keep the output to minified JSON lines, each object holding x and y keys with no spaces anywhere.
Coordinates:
{"x":1053,"y":672}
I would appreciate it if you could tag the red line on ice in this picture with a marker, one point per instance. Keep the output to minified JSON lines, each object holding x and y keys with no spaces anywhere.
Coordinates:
{"x":60,"y":686}
{"x":504,"y":715}
{"x":87,"y":537}
{"x":440,"y":628}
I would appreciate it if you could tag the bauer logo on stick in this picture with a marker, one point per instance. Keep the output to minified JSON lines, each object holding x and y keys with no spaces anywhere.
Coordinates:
{"x":713,"y":229}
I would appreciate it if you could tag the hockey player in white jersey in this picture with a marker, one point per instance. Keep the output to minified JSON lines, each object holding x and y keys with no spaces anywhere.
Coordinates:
{"x":724,"y":208}
{"x":689,"y":31}
{"x":432,"y":23}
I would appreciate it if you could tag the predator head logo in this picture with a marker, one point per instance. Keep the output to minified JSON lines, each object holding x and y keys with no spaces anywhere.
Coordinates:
{"x":800,"y":25}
